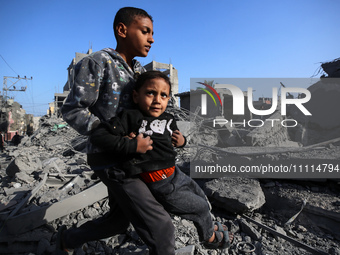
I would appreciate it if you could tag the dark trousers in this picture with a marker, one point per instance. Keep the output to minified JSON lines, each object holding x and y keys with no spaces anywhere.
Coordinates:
{"x":182,"y":196}
{"x":130,"y":201}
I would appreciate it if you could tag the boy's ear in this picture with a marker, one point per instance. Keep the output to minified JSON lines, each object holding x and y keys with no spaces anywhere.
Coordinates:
{"x":135,"y":96}
{"x":121,"y":30}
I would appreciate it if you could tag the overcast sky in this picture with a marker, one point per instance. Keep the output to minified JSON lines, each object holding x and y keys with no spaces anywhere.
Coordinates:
{"x":208,"y":39}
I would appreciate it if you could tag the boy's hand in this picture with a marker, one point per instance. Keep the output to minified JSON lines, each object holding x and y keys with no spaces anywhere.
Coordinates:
{"x":143,"y":144}
{"x":132,"y":135}
{"x":178,"y":139}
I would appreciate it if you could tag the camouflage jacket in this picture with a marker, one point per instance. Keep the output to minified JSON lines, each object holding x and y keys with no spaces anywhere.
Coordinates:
{"x":102,"y":86}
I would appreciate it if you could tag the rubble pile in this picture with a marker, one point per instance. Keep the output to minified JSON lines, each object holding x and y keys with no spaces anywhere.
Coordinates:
{"x":323,"y":104}
{"x":46,"y":183}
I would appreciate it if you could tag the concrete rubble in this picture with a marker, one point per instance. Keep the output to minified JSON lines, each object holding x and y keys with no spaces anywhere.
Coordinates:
{"x":246,"y":198}
{"x":46,"y":183}
{"x":42,"y":181}
{"x":324,"y":102}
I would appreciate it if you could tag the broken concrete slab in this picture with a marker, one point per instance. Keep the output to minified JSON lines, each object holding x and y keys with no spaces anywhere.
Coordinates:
{"x":24,"y":177}
{"x":12,"y":190}
{"x":32,"y":219}
{"x":23,"y":163}
{"x":235,"y":195}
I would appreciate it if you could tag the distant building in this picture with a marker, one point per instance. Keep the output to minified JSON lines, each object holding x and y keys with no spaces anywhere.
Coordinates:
{"x":70,"y":69}
{"x":14,"y":119}
{"x":54,"y":107}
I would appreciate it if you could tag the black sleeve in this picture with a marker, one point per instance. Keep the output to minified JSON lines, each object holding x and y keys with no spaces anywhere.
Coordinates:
{"x":111,"y":136}
{"x":173,"y":125}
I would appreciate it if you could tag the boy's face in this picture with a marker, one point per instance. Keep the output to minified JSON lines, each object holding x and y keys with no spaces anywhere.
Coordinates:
{"x":152,"y":98}
{"x":139,"y":36}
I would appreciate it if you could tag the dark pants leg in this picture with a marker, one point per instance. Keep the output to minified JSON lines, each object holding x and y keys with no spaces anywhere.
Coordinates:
{"x":130,"y":201}
{"x":181,"y":195}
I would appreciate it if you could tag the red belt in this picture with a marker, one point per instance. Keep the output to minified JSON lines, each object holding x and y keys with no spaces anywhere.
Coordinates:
{"x":157,"y":175}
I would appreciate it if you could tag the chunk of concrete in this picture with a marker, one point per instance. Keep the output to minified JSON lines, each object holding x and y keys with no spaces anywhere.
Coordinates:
{"x":23,"y":163}
{"x":235,"y":195}
{"x":32,"y":219}
{"x":24,"y":177}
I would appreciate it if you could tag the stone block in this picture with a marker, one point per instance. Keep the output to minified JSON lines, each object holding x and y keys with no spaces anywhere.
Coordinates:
{"x":235,"y":195}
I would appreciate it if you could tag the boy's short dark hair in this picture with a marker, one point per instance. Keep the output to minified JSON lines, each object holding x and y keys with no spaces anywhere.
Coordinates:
{"x":126,"y":15}
{"x":149,"y":75}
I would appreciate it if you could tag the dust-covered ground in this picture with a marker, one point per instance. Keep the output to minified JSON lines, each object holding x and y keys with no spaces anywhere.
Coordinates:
{"x":55,"y":155}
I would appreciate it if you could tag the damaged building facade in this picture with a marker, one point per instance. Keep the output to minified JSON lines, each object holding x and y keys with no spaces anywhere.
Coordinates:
{"x":13,"y":119}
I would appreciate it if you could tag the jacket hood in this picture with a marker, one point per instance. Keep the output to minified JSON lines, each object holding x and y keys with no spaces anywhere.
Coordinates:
{"x":115,"y":55}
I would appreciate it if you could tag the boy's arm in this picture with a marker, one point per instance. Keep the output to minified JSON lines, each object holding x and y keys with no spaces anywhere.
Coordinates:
{"x":178,"y":140}
{"x":113,"y":136}
{"x":83,"y":95}
{"x":110,"y":137}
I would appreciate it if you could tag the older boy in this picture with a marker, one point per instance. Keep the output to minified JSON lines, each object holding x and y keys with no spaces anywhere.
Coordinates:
{"x":102,"y":85}
{"x":155,"y":164}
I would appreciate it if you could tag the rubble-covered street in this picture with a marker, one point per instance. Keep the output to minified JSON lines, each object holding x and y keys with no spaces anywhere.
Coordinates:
{"x":46,"y":183}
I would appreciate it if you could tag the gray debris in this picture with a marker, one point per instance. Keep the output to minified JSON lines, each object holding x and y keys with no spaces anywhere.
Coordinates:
{"x":26,"y":163}
{"x":59,"y":152}
{"x":324,"y":124}
{"x":249,"y":230}
{"x":235,"y":195}
{"x":189,"y":250}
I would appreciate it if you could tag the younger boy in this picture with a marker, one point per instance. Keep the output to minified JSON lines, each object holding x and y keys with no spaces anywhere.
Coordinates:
{"x":155,"y":163}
